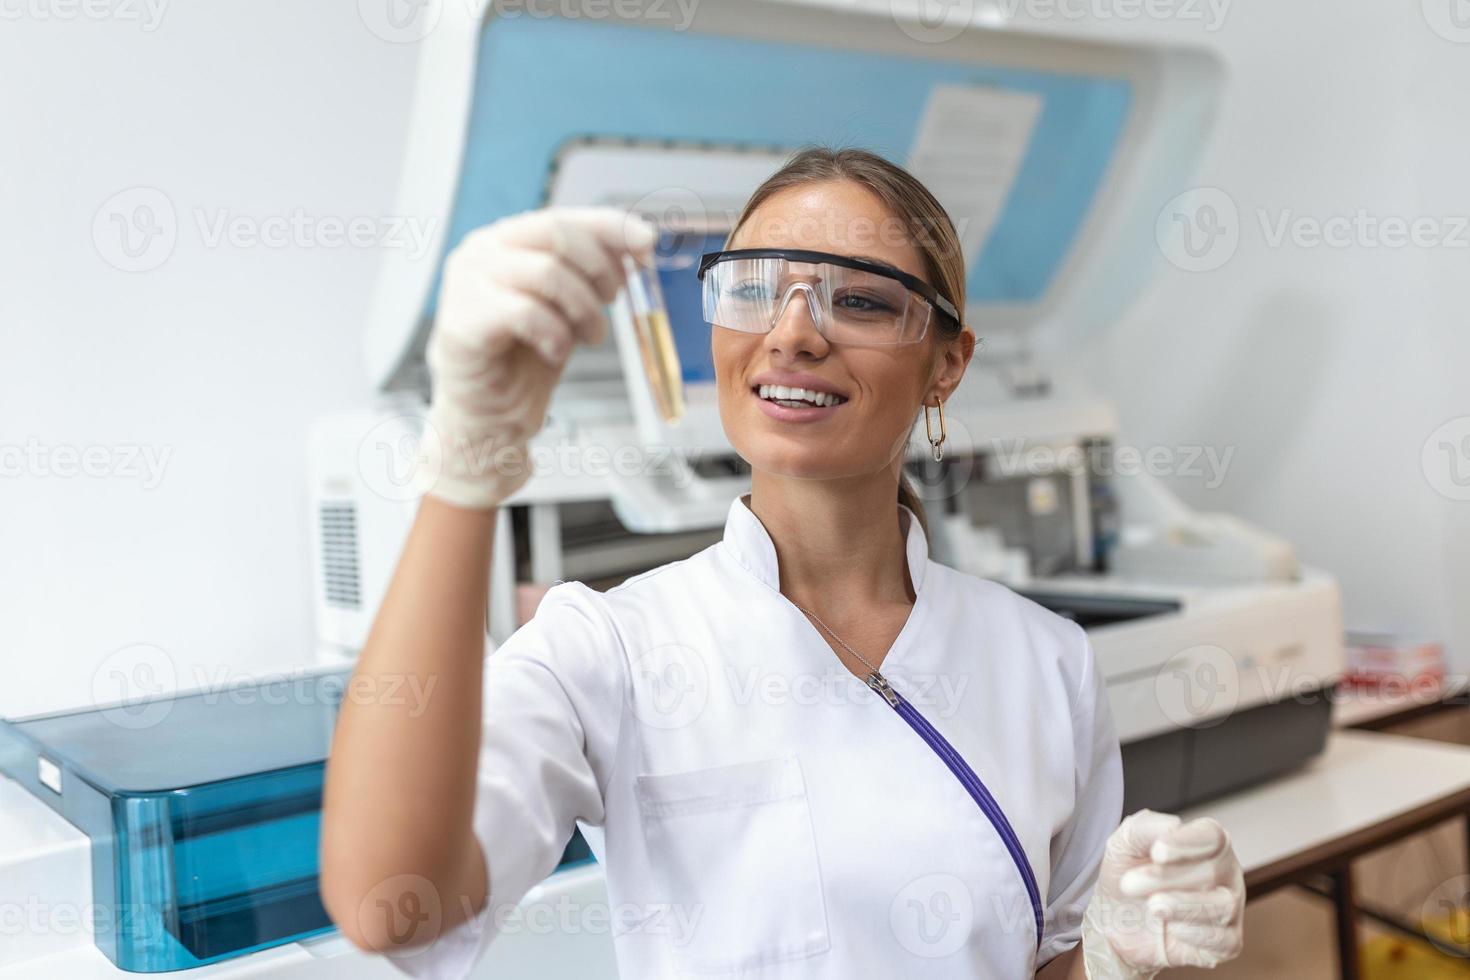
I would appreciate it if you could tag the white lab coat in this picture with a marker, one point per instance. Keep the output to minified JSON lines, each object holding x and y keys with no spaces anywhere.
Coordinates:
{"x":762,"y":813}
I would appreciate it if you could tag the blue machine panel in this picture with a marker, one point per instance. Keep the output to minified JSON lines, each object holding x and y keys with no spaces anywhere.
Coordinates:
{"x":544,"y":81}
{"x":203,"y":812}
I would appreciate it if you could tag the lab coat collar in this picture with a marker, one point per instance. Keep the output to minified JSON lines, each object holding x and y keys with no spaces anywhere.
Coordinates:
{"x":747,"y":540}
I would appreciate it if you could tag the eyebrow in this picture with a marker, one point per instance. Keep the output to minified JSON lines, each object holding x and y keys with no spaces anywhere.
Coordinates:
{"x":877,"y":261}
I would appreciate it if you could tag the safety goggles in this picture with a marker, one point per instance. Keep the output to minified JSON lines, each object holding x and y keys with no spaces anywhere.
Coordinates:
{"x":852,"y":301}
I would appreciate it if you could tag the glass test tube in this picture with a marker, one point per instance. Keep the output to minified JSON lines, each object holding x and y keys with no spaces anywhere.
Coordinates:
{"x":655,"y":338}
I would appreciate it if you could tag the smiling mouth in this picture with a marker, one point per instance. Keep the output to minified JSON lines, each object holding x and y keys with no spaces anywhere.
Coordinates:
{"x":797,"y":397}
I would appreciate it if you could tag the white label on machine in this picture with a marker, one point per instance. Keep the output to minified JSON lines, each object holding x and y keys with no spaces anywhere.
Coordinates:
{"x":48,"y":773}
{"x":969,"y":147}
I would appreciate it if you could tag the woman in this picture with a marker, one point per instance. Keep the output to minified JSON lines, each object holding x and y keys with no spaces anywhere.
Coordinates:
{"x":809,"y":750}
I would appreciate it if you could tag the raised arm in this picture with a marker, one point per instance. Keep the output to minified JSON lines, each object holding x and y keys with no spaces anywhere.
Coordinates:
{"x":401,"y":778}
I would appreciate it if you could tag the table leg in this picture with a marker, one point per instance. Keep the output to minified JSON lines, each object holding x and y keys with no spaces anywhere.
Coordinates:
{"x":1345,"y":905}
{"x":1467,"y":841}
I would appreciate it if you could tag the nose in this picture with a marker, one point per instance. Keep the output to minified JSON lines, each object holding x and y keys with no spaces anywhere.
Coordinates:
{"x":795,"y":329}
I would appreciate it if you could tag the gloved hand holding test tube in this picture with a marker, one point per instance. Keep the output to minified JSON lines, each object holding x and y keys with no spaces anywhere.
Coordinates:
{"x":650,"y":318}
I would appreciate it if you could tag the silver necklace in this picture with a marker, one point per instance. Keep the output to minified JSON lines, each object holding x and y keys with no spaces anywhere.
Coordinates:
{"x":876,"y":680}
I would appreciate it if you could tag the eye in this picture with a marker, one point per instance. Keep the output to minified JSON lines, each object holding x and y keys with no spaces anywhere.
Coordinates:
{"x":750,"y":291}
{"x":869,"y":304}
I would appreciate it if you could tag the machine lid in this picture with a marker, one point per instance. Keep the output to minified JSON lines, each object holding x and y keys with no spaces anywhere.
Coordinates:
{"x":193,"y":739}
{"x":1053,"y":156}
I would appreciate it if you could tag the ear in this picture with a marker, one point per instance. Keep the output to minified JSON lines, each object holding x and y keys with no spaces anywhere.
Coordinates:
{"x":954,"y":357}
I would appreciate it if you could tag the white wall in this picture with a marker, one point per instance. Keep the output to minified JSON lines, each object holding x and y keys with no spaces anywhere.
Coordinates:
{"x":220,"y":356}
{"x":1326,"y":369}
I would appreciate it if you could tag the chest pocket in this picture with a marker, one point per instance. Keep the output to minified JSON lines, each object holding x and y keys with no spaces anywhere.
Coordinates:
{"x":733,"y":851}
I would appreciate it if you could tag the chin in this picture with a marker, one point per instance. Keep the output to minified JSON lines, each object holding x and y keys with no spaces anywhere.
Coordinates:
{"x":796,"y":457}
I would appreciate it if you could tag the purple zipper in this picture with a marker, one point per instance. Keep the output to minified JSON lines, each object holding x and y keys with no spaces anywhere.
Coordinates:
{"x":973,"y":786}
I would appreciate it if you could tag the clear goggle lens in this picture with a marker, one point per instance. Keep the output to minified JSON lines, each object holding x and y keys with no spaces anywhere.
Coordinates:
{"x":848,"y":306}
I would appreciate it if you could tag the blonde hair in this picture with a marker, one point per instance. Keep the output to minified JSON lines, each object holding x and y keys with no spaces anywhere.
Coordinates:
{"x":925,"y":224}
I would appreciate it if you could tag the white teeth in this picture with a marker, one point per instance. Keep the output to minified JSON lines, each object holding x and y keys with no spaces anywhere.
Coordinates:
{"x":785,"y":393}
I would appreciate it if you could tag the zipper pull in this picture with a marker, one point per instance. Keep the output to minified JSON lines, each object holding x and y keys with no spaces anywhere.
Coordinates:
{"x":880,"y":684}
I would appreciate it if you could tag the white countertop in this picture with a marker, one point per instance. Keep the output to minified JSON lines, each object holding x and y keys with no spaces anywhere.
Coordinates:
{"x":1362,"y":779}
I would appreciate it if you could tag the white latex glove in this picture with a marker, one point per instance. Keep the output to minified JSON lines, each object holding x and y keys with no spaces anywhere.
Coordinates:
{"x":1168,"y":894}
{"x":516,"y":295}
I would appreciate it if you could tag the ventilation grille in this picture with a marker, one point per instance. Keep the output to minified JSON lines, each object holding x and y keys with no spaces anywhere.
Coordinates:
{"x":341,"y":579}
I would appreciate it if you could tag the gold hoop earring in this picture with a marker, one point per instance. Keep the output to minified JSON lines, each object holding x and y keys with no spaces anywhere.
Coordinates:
{"x":937,"y":445}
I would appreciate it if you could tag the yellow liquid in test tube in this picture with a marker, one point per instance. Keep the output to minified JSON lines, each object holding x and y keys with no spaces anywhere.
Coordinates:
{"x":655,"y":339}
